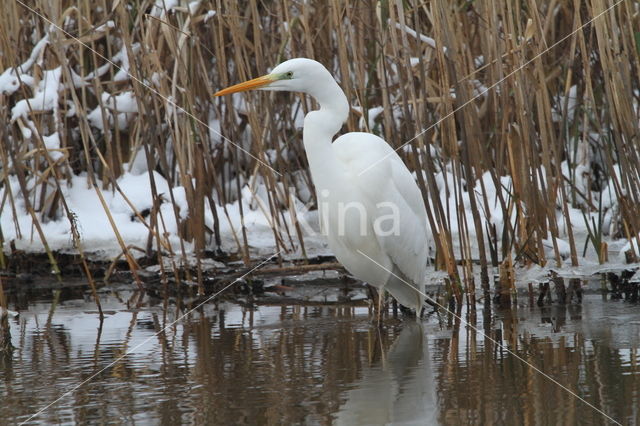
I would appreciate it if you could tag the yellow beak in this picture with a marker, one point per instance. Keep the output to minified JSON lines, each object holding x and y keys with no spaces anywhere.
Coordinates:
{"x":247,"y":85}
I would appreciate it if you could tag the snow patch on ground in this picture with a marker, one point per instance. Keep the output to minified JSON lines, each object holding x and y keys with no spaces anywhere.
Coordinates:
{"x":98,"y":236}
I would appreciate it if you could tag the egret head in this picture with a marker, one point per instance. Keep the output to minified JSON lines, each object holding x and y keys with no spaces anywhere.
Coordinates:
{"x":295,"y":75}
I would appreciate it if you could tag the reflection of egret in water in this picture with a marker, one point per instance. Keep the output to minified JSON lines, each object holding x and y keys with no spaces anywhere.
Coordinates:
{"x":399,"y":390}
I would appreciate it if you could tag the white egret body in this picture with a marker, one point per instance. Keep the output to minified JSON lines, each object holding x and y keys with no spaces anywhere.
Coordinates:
{"x":371,"y":209}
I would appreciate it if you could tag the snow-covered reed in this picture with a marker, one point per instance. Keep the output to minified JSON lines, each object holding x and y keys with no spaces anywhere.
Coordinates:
{"x":521,"y":120}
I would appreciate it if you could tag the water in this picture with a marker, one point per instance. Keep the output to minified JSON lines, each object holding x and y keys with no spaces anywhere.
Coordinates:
{"x":283,"y":363}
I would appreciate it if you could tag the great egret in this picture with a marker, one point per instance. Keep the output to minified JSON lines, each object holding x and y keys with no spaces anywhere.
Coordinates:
{"x":371,"y":209}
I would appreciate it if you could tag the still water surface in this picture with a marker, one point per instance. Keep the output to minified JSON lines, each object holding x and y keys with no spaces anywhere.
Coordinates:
{"x":284,"y":363}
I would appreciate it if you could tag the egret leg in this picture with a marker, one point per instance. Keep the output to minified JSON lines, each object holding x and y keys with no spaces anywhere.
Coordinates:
{"x":380,"y":294}
{"x":383,"y":353}
{"x":373,"y":294}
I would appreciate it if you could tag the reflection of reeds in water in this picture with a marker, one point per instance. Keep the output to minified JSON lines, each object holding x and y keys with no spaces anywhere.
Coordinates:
{"x":481,"y":383}
{"x":571,"y":102}
{"x":5,"y":335}
{"x":265,"y":376}
{"x":313,"y":364}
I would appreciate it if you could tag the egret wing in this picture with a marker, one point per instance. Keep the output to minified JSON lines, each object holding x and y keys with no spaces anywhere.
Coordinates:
{"x":399,"y":216}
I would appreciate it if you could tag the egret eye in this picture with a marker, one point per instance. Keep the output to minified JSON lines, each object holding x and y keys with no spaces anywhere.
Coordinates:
{"x":289,"y":75}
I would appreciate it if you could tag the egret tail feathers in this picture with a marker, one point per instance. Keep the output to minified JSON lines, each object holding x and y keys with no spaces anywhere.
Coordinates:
{"x":405,"y":291}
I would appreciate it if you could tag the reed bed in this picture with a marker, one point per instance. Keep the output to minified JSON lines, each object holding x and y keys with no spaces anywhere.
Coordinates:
{"x":520,"y":119}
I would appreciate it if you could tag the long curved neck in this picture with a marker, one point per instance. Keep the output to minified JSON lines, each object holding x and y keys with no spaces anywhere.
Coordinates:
{"x":319,"y":128}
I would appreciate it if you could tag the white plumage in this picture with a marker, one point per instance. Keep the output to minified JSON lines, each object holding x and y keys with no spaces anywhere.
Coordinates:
{"x":371,"y":209}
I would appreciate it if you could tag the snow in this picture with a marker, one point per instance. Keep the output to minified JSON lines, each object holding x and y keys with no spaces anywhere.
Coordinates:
{"x":45,"y":97}
{"x":9,"y":82}
{"x":423,"y":38}
{"x":563,"y":246}
{"x":91,"y":219}
{"x":124,"y":102}
{"x":566,"y":105}
{"x":52,"y":143}
{"x":122,"y":57}
{"x":122,"y":106}
{"x":98,"y":236}
{"x":160,"y":7}
{"x":210,"y":14}
{"x":372,"y":115}
{"x":106,"y":26}
{"x":194,"y":6}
